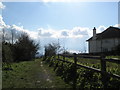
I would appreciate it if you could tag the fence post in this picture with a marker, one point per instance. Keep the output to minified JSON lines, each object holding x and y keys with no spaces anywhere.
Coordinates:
{"x":103,"y":70}
{"x":63,"y":57}
{"x":75,"y":71}
{"x":58,"y":56}
{"x":44,"y":57}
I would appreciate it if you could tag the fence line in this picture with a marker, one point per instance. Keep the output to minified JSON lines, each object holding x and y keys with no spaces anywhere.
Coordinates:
{"x":103,"y":71}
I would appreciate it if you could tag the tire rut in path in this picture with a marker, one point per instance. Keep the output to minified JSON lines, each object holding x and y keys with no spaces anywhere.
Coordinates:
{"x":46,"y":76}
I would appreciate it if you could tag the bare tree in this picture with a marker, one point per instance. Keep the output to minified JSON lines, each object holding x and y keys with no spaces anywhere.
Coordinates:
{"x":52,"y":49}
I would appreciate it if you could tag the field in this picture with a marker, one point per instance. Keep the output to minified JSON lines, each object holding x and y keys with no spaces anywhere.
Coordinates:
{"x":111,"y":67}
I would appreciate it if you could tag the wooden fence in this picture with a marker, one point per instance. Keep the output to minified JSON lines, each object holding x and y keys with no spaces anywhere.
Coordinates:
{"x":103,"y":71}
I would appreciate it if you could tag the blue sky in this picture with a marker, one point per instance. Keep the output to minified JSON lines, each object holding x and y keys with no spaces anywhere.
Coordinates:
{"x":70,"y":22}
{"x":33,"y":15}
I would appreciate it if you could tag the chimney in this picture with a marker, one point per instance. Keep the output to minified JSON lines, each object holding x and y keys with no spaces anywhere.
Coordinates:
{"x":94,"y":33}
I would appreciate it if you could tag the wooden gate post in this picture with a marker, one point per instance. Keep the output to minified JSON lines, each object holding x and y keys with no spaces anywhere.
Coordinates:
{"x":58,"y":56}
{"x":44,"y":57}
{"x":103,"y":71}
{"x":75,"y":71}
{"x":63,"y":57}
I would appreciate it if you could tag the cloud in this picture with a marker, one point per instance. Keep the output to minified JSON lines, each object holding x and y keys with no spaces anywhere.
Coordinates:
{"x":100,"y":29}
{"x":2,"y":6}
{"x":19,"y":30}
{"x":46,"y":34}
{"x":74,"y":51}
{"x":64,"y":33}
{"x":2,"y":23}
{"x":16,"y":30}
{"x":117,"y":25}
{"x":79,"y":31}
{"x":76,"y":32}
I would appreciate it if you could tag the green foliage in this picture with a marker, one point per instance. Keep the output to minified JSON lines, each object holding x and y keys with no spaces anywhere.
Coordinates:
{"x":51,"y":49}
{"x":85,"y":78}
{"x":7,"y":53}
{"x":23,"y":49}
{"x":112,"y":57}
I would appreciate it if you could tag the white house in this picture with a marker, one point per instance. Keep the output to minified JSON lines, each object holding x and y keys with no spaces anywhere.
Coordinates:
{"x":105,"y":41}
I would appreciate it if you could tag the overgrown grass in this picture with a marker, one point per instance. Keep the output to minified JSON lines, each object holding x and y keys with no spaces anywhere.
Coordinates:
{"x":95,"y":63}
{"x":110,"y":57}
{"x":113,"y":67}
{"x":30,"y":74}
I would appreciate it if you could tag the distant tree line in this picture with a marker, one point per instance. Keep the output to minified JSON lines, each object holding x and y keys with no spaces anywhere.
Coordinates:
{"x":24,"y":49}
{"x":53,"y":49}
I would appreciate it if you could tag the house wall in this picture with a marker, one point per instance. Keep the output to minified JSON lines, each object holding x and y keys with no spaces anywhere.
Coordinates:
{"x":92,"y":46}
{"x":103,"y":45}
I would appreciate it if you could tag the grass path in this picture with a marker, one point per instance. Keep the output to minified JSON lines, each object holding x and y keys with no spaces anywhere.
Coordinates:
{"x":31,"y":74}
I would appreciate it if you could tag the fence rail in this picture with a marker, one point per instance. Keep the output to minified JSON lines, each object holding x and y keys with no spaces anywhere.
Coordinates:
{"x":103,"y":71}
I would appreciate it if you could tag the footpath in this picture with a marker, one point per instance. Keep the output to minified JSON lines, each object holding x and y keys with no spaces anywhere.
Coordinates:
{"x":31,"y":74}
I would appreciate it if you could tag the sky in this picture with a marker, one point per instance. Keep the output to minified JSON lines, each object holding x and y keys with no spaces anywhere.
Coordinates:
{"x":33,"y":15}
{"x":70,"y":22}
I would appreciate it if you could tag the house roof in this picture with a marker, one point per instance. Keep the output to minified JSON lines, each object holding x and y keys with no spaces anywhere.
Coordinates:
{"x":110,"y":32}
